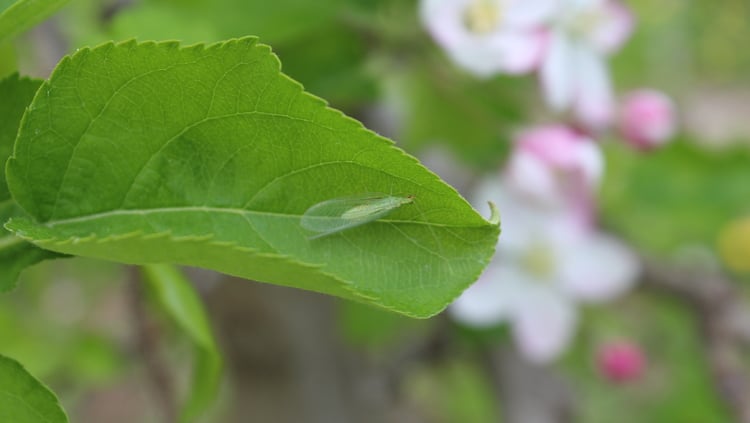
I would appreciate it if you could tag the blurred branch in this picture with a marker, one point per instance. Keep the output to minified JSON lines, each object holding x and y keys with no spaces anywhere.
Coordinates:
{"x":111,"y":8}
{"x":147,"y":341}
{"x":724,"y":320}
{"x":529,"y":393}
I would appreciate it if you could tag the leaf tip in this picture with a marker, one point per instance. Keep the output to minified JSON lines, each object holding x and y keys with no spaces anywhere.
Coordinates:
{"x":494,"y":214}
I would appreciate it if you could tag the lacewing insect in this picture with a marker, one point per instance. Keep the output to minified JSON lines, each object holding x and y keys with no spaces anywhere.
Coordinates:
{"x":339,"y":214}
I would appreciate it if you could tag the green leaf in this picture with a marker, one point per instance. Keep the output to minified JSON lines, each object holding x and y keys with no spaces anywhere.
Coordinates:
{"x":179,"y":300}
{"x":209,"y":156}
{"x":680,"y":195}
{"x":24,"y":14}
{"x":8,"y":59}
{"x":15,"y":253}
{"x":23,"y":399}
{"x":15,"y":95}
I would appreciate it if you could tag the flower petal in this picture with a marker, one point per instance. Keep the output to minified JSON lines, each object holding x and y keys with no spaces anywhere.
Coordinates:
{"x":557,"y":166}
{"x":543,"y":324}
{"x":597,"y":268}
{"x":523,"y":218}
{"x":499,"y":52}
{"x":490,"y":300}
{"x":523,"y":51}
{"x":506,"y":48}
{"x":578,"y":6}
{"x":594,"y":103}
{"x":557,"y":72}
{"x":530,"y":174}
{"x":443,"y":19}
{"x":529,"y":13}
{"x":613,"y":28}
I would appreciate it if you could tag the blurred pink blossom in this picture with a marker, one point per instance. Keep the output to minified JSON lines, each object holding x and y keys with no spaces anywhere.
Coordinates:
{"x":544,"y":265}
{"x":647,"y":119}
{"x":574,"y":72}
{"x":487,"y":37}
{"x":557,"y":166}
{"x":621,"y":361}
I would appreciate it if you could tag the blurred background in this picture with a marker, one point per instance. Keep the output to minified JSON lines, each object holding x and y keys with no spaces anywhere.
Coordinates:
{"x":672,"y":348}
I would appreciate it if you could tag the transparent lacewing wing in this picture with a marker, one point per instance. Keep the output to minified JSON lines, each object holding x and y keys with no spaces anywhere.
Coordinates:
{"x":339,"y":214}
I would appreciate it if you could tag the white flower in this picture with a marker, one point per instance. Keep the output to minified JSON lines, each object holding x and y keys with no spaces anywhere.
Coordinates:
{"x":487,"y":37}
{"x":557,"y":166}
{"x":574,"y":71}
{"x":545,"y":264}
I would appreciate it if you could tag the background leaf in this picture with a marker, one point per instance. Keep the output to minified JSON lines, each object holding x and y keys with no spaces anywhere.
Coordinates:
{"x":676,"y":386}
{"x":23,"y":399}
{"x":321,"y":51}
{"x":177,"y":297}
{"x":680,"y":195}
{"x":24,"y":14}
{"x":208,"y":156}
{"x":7,"y":59}
{"x":276,"y":21}
{"x":15,"y":254}
{"x":471,"y":117}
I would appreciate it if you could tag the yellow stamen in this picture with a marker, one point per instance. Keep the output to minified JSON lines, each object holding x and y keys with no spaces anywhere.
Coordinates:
{"x":539,"y":261}
{"x":482,"y":16}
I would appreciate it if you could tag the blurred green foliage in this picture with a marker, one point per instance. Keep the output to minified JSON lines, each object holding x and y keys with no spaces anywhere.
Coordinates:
{"x":679,"y":196}
{"x":364,"y":54}
{"x":176,"y":297}
{"x":681,"y":43}
{"x":20,"y":15}
{"x":676,"y":386}
{"x":455,"y":391}
{"x":57,"y":322}
{"x":375,"y":330}
{"x":441,"y":106}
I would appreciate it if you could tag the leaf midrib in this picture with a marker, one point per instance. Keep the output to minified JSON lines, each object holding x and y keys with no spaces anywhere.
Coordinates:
{"x":229,"y":210}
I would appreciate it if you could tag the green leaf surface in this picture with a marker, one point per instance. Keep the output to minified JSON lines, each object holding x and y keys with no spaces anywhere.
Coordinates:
{"x":15,"y":253}
{"x":24,"y":14}
{"x":23,"y":399}
{"x":209,"y":156}
{"x":680,"y":195}
{"x":177,"y":297}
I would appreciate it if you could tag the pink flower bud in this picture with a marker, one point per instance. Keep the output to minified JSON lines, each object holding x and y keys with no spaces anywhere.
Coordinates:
{"x":621,"y":361}
{"x":647,"y":119}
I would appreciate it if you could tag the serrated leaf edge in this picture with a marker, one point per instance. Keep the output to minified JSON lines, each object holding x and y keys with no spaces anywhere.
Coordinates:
{"x":253,"y":43}
{"x":167,"y":235}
